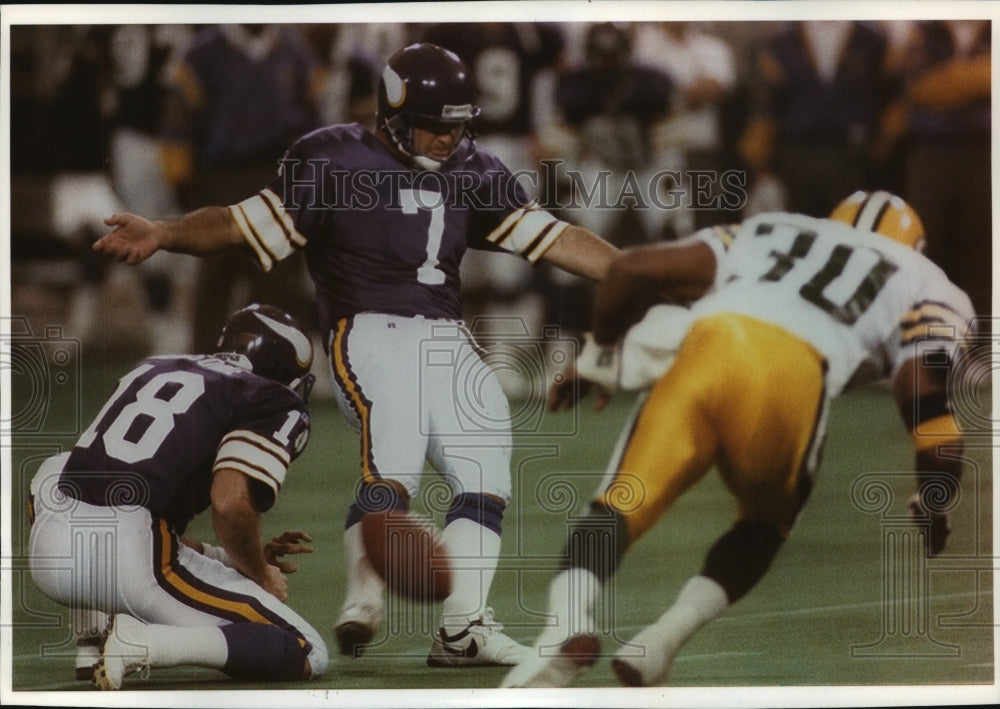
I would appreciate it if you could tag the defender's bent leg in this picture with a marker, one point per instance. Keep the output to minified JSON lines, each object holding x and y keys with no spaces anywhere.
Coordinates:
{"x":735,"y":564}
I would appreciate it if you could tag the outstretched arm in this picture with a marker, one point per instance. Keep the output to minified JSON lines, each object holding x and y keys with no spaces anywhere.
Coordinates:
{"x":642,"y":275}
{"x":639,"y":277}
{"x":203,"y":231}
{"x":582,"y":253}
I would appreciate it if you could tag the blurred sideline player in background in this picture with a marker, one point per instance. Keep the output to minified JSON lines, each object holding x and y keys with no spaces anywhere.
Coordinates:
{"x":808,"y":307}
{"x":182,"y":434}
{"x":702,"y":68}
{"x":817,"y":94}
{"x":136,"y":62}
{"x":948,"y":130}
{"x":514,"y":65}
{"x":384,"y":219}
{"x":238,"y":97}
{"x":608,"y":110}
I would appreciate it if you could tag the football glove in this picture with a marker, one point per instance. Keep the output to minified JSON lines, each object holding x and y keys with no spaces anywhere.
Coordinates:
{"x":600,"y":364}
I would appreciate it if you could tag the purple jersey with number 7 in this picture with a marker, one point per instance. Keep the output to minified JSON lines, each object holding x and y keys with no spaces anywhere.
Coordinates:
{"x":382,"y":237}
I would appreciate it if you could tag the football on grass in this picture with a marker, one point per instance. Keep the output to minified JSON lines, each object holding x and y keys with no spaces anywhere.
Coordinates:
{"x":406,"y":551}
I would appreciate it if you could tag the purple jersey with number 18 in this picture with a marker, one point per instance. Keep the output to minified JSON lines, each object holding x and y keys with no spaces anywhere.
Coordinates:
{"x":172,"y":422}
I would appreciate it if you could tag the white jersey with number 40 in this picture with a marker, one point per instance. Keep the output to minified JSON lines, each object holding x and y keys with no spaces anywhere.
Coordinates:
{"x":864,"y":301}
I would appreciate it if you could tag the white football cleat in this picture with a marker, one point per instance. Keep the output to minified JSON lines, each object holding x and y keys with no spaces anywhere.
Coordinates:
{"x":480,"y":643}
{"x":90,"y":632}
{"x":645,"y":661}
{"x":88,"y":653}
{"x":555,"y":666}
{"x":120,"y":656}
{"x":356,"y":627}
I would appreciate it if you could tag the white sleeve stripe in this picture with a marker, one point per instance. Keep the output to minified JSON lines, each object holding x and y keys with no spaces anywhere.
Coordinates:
{"x":505,"y":226}
{"x":519,"y":232}
{"x":259,"y":474}
{"x":272,"y":230}
{"x":256,"y":235}
{"x":267,"y":226}
{"x":246,"y":456}
{"x":265,"y":259}
{"x":281,"y":215}
{"x":259,"y":462}
{"x":258,"y":441}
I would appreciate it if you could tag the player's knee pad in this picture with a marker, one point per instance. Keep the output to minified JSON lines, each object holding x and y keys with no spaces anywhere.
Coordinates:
{"x":377,"y":497}
{"x":741,"y":556}
{"x":264,"y":653}
{"x":482,"y":509}
{"x":598,"y":542}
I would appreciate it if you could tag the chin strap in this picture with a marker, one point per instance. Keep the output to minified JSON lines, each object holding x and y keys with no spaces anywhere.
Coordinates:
{"x":426,"y":163}
{"x":396,"y":127}
{"x":303,"y":386}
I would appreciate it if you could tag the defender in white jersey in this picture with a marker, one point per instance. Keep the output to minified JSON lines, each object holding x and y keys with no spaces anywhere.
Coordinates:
{"x":787,"y":312}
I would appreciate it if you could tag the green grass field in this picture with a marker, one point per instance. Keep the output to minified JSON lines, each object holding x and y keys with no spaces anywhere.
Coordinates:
{"x":841,"y":605}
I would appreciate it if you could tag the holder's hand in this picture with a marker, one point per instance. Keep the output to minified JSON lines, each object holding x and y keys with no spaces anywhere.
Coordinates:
{"x":287,"y":543}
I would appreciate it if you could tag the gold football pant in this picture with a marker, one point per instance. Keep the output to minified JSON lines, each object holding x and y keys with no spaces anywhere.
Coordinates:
{"x":742,"y":394}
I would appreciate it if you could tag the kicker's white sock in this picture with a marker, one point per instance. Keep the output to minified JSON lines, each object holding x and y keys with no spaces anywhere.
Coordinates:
{"x":700,"y":601}
{"x":364,"y":585}
{"x":473,"y":552}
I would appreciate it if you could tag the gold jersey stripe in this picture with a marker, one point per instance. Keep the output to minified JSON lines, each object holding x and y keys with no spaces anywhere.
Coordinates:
{"x":941,"y":430}
{"x":346,"y":381}
{"x":726,"y":234}
{"x":936,"y":311}
{"x":931,"y":331}
{"x":933,"y":320}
